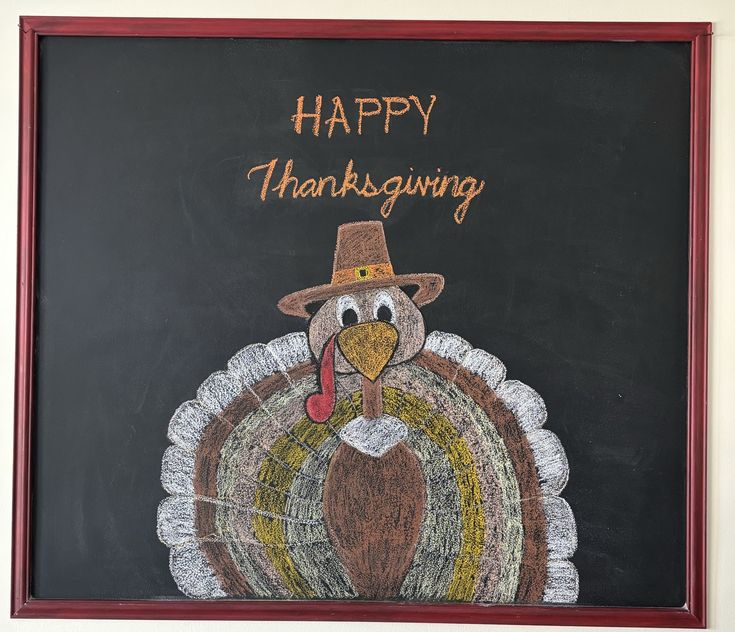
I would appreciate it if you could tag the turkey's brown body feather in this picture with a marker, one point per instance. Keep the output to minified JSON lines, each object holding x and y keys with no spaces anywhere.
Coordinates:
{"x":373,"y":508}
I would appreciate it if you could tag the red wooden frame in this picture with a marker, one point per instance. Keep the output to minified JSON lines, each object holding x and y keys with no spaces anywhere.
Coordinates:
{"x":691,"y":615}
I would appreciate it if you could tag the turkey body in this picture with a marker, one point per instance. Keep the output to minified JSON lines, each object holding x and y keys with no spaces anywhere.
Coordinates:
{"x":373,"y":509}
{"x":265,"y":503}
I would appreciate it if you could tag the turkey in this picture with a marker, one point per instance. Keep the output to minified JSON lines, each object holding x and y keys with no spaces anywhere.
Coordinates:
{"x":367,"y":460}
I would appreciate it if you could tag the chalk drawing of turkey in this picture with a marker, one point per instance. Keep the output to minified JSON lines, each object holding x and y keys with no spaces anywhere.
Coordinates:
{"x":366,"y":460}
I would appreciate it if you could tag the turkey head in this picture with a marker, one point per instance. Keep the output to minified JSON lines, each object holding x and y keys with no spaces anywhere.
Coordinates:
{"x":363,"y":333}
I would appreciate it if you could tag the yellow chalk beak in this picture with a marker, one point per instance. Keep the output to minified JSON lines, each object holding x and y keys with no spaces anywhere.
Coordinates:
{"x":368,"y":346}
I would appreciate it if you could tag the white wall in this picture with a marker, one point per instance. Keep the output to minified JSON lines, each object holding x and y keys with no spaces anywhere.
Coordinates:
{"x":722,"y":241}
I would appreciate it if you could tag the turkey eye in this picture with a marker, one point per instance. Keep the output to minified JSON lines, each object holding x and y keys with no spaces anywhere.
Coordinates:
{"x":347,"y":311}
{"x":384,"y":313}
{"x":349,"y":317}
{"x":383,"y":308}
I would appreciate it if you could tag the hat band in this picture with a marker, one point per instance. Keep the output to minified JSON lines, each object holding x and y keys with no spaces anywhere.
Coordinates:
{"x":362,"y":273}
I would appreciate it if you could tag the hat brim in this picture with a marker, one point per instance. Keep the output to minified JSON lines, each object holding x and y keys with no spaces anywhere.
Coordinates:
{"x":429,"y":287}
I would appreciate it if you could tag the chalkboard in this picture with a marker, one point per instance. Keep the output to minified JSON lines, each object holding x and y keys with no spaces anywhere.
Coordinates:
{"x":533,"y":198}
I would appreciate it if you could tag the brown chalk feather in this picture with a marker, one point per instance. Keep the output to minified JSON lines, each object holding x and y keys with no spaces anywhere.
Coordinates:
{"x":373,"y":509}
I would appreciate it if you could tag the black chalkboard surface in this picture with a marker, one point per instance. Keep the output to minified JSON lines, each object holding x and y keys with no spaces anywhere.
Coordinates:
{"x":158,"y":259}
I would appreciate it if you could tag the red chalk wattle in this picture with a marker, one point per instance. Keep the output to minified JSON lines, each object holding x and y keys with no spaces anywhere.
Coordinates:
{"x":320,"y":406}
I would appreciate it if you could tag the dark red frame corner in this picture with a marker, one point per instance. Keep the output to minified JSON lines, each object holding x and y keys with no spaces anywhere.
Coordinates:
{"x":691,"y":615}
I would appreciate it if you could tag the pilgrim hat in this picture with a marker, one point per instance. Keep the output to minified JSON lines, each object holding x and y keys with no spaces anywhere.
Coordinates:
{"x":361,"y":262}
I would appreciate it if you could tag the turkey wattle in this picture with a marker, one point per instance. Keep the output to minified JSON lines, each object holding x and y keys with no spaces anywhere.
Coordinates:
{"x":367,"y":460}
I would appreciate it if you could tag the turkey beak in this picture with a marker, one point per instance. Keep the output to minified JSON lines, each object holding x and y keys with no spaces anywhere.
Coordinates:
{"x":368,"y":346}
